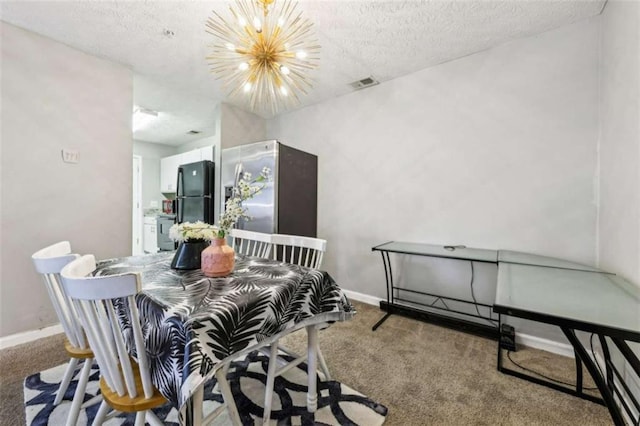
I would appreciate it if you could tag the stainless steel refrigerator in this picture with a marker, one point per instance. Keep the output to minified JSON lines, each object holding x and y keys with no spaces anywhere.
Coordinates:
{"x":195,"y":192}
{"x":288,"y":204}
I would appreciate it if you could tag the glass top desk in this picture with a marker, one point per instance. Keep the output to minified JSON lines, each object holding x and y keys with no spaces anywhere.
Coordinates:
{"x":570,"y":295}
{"x":463,"y":320}
{"x":501,"y":258}
{"x":587,"y":301}
{"x":520,"y":258}
{"x":578,"y":300}
{"x":433,"y":250}
{"x":404,"y":301}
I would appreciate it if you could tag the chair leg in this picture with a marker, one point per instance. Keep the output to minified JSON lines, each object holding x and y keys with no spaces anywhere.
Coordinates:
{"x":79,"y":395}
{"x":323,"y":364}
{"x":221,"y":375}
{"x":101,"y":414}
{"x":312,"y":373}
{"x":140,"y":418}
{"x":152,"y":419}
{"x":66,"y":379}
{"x":197,"y":401}
{"x":92,"y":401}
{"x":271,"y":375}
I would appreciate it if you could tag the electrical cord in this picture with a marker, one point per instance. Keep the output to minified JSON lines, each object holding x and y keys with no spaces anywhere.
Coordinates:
{"x":593,"y":353}
{"x":473,"y":296}
{"x":544,"y":376}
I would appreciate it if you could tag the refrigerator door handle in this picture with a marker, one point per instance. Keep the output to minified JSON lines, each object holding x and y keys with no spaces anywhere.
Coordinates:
{"x":179,"y":201}
{"x":180,"y":183}
{"x":238,"y":175}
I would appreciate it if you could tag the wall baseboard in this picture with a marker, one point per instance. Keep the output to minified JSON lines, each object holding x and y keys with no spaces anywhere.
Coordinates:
{"x":29,"y":336}
{"x":552,"y":346}
{"x":364,"y":298}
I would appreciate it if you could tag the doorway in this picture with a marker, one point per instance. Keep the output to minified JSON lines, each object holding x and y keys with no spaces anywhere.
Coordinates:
{"x":136,"y":220}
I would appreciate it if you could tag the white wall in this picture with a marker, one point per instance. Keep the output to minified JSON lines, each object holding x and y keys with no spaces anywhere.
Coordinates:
{"x":496,"y":150}
{"x":619,"y":214}
{"x":55,"y":97}
{"x":200,"y":143}
{"x":239,"y":127}
{"x":619,"y":146}
{"x":235,"y":127}
{"x":151,"y":154}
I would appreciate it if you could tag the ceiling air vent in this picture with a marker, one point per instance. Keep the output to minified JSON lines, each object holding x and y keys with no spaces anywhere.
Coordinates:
{"x":365,"y":82}
{"x":194,"y":132}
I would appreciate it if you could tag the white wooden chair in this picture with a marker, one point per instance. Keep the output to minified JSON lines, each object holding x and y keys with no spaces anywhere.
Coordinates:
{"x":250,"y":243}
{"x":125,"y":382}
{"x":49,"y":262}
{"x":303,"y":251}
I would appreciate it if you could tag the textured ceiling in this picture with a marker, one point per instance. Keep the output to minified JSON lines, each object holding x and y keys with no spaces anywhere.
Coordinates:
{"x":383,"y":39}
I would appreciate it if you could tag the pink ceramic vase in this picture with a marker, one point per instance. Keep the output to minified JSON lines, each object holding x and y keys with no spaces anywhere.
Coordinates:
{"x":218,"y":259}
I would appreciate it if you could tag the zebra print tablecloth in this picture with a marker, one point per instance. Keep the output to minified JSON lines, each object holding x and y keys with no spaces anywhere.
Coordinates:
{"x":191,"y":322}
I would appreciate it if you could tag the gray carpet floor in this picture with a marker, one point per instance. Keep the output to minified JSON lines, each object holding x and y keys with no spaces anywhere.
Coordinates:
{"x":424,"y":374}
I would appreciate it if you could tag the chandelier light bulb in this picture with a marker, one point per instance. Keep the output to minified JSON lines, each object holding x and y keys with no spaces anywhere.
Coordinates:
{"x":257,"y":24}
{"x":264,"y":52}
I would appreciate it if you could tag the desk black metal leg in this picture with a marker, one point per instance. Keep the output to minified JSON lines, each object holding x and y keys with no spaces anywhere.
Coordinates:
{"x":388,"y":275}
{"x":607,"y":396}
{"x":626,"y":351}
{"x":578,"y":374}
{"x":499,"y":349}
{"x":379,"y":323}
{"x":634,"y":362}
{"x":607,"y":358}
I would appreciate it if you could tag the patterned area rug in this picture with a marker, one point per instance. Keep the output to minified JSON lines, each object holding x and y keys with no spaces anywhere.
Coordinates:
{"x":337,"y":403}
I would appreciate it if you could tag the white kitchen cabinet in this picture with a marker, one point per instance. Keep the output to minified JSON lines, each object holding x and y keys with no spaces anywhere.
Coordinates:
{"x":150,"y":236}
{"x":190,"y":157}
{"x":169,"y":173}
{"x":169,"y":166}
{"x":206,"y":153}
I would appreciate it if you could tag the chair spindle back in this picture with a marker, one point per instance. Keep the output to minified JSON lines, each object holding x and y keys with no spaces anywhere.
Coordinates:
{"x":107,"y":306}
{"x":250,"y":243}
{"x":303,"y":251}
{"x":49,"y":262}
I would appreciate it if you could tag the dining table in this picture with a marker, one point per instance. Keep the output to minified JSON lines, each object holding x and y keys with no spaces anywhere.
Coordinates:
{"x":193,"y":325}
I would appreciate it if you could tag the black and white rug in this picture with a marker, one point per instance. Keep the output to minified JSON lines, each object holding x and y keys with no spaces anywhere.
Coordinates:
{"x":337,"y":403}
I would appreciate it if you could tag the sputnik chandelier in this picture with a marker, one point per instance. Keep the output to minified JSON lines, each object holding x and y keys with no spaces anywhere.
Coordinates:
{"x":263,"y":53}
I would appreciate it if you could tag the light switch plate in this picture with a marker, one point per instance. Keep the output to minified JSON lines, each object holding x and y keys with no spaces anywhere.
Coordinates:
{"x":70,"y":156}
